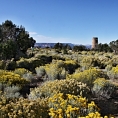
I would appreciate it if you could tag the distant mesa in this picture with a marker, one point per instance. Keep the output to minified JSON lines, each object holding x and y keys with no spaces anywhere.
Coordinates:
{"x":43,"y":45}
{"x":51,"y":45}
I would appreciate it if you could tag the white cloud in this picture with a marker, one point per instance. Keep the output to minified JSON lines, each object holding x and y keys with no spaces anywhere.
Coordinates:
{"x":45,"y":39}
{"x":32,"y":33}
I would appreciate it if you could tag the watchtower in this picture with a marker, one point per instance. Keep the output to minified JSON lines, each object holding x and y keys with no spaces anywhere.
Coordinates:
{"x":94,"y":42}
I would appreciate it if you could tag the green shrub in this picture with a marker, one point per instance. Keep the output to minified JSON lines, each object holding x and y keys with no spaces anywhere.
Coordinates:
{"x":55,"y":70}
{"x":23,"y":63}
{"x":2,"y":64}
{"x":33,"y":63}
{"x":108,"y":67}
{"x":103,"y":88}
{"x":7,"y":65}
{"x":29,"y":64}
{"x":10,"y":65}
{"x":44,"y":58}
{"x":114,"y":60}
{"x":59,"y":63}
{"x":113,"y":73}
{"x":40,"y":71}
{"x":57,"y":57}
{"x":70,"y":66}
{"x":12,"y":91}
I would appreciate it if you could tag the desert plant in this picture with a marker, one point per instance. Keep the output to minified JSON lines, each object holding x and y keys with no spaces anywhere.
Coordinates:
{"x":24,"y":73}
{"x":29,"y":64}
{"x":2,"y":64}
{"x":71,"y":106}
{"x":11,"y":78}
{"x":87,"y":76}
{"x":88,"y":62}
{"x":113,"y":73}
{"x":103,"y":88}
{"x":22,"y":63}
{"x":55,"y":70}
{"x":24,"y":108}
{"x":52,"y":72}
{"x":50,"y":88}
{"x":28,"y":77}
{"x":10,"y":64}
{"x":21,"y":71}
{"x":40,"y":71}
{"x":12,"y":92}
{"x":70,"y":66}
{"x":108,"y":68}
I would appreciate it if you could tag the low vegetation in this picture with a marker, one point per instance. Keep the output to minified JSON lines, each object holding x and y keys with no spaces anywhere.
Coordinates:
{"x":58,"y":82}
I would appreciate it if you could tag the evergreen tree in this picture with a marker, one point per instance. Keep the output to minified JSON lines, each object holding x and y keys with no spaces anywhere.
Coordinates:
{"x":13,"y":40}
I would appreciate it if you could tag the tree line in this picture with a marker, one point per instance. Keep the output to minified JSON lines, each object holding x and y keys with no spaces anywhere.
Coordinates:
{"x":15,"y":40}
{"x":111,"y":47}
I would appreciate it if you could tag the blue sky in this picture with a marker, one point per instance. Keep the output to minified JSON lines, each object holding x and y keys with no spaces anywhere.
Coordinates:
{"x":64,"y":21}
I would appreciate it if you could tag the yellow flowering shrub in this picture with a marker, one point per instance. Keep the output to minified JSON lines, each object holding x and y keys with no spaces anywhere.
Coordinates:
{"x":99,"y":82}
{"x":24,"y":108}
{"x":70,"y":106}
{"x":96,"y":115}
{"x":104,"y":60}
{"x":104,"y":88}
{"x":88,"y":62}
{"x":29,"y":64}
{"x":114,"y":60}
{"x":110,"y":59}
{"x":58,"y":106}
{"x":113,"y":73}
{"x":21,"y":71}
{"x":54,"y":70}
{"x":11,"y":78}
{"x":24,"y":73}
{"x":57,"y":69}
{"x":50,"y":88}
{"x":87,"y":76}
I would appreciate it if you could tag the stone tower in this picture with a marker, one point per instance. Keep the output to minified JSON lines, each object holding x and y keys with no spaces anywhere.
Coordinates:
{"x":94,"y":42}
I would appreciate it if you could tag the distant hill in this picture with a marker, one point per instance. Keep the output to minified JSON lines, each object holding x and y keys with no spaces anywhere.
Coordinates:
{"x":43,"y":45}
{"x":88,"y":46}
